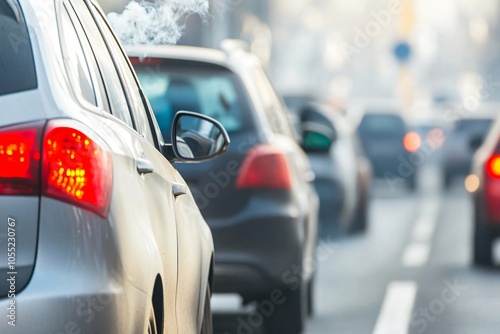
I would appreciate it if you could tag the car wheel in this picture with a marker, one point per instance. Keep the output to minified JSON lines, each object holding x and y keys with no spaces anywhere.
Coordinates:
{"x":483,"y":240}
{"x":448,"y":179}
{"x":412,"y":183}
{"x":360,"y":218}
{"x":289,"y":317}
{"x":152,"y":321}
{"x":207,"y":325}
{"x":310,"y":297}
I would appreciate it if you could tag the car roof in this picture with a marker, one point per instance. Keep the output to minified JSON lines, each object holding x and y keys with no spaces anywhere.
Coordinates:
{"x":234,"y":60}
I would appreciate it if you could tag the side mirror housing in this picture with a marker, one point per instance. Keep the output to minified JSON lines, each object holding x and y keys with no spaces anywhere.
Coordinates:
{"x":317,"y":138}
{"x":195,"y":138}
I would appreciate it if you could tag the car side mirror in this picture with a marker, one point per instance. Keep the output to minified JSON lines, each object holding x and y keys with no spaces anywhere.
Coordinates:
{"x":475,"y":143}
{"x":196,"y":138}
{"x":317,"y":137}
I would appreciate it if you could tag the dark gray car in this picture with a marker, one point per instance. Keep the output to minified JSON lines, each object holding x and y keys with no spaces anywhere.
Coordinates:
{"x":258,"y":199}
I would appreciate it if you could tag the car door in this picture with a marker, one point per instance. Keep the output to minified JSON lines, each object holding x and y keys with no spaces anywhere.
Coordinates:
{"x":148,"y":171}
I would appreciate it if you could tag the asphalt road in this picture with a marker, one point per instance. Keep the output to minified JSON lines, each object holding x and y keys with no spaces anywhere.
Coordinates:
{"x":410,"y":272}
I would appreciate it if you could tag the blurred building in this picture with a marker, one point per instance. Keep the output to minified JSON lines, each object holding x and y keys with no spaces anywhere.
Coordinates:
{"x":344,"y":49}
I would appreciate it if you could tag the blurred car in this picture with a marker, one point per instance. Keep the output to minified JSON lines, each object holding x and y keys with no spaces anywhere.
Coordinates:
{"x":258,"y":199}
{"x":102,"y":232}
{"x":296,"y":101}
{"x":458,"y":151}
{"x":343,"y":173}
{"x":388,"y":143}
{"x":485,"y":186}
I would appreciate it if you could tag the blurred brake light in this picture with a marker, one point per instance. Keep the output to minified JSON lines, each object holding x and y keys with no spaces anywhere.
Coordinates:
{"x":265,"y":167}
{"x":492,"y":187}
{"x":493,"y":166}
{"x":412,"y":142}
{"x":20,"y":159}
{"x":76,"y":169}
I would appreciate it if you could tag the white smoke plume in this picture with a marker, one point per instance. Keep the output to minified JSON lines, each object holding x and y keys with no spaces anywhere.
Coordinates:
{"x":155,"y":22}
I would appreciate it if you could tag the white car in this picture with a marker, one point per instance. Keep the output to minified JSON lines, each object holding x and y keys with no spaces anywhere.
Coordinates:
{"x":103,"y":234}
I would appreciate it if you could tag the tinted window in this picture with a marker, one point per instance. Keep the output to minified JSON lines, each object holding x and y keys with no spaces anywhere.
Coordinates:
{"x":181,"y":85}
{"x":475,"y":126}
{"x":382,"y":125}
{"x":17,"y":67}
{"x":272,"y":105}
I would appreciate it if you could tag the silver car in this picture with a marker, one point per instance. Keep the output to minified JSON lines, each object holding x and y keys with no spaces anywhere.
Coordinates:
{"x":98,"y":233}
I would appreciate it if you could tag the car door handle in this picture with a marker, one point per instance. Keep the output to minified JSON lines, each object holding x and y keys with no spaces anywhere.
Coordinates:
{"x":179,"y":189}
{"x":144,"y":166}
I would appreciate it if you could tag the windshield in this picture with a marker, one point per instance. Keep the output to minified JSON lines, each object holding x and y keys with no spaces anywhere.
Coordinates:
{"x":382,"y":125}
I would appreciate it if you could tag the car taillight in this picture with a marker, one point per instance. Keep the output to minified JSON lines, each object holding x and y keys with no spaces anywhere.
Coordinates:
{"x":20,"y":159}
{"x":76,"y":169}
{"x":412,"y":142}
{"x":493,"y":166}
{"x":265,"y":167}
{"x":492,"y":187}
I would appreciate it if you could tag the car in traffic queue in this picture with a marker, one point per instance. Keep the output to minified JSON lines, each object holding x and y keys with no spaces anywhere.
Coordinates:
{"x":103,"y":234}
{"x":486,"y":196}
{"x":465,"y":137}
{"x":258,"y":199}
{"x":343,"y":172}
{"x":389,"y":144}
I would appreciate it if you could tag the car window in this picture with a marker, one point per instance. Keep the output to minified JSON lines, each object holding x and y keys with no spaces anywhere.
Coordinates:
{"x":174,"y":85}
{"x":81,"y":71}
{"x":381,"y":125}
{"x":272,"y":105}
{"x":113,"y":85}
{"x":473,"y":126}
{"x":17,"y":66}
{"x":99,"y":87}
{"x":138,"y":108}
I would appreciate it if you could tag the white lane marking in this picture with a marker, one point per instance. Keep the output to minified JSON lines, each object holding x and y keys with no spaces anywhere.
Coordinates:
{"x":424,"y":228}
{"x":416,"y":254}
{"x":395,"y":315}
{"x":418,"y":251}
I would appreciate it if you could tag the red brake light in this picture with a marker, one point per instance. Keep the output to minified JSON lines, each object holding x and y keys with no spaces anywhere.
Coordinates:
{"x":265,"y":167}
{"x":492,"y":187}
{"x":76,"y":169}
{"x":493,"y":166}
{"x":20,"y":160}
{"x":412,"y":142}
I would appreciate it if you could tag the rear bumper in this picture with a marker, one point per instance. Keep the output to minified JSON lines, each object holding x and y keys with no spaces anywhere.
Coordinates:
{"x":262,"y":248}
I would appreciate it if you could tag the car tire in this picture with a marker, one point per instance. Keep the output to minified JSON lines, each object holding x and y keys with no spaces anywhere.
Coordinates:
{"x":310,"y":297}
{"x":207,"y":324}
{"x":289,"y":317}
{"x":152,"y":329}
{"x":448,"y":180}
{"x":412,"y":183}
{"x":360,"y":218}
{"x":483,"y":240}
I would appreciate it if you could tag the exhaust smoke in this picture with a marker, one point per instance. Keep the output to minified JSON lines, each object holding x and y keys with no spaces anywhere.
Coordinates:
{"x":155,"y":22}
